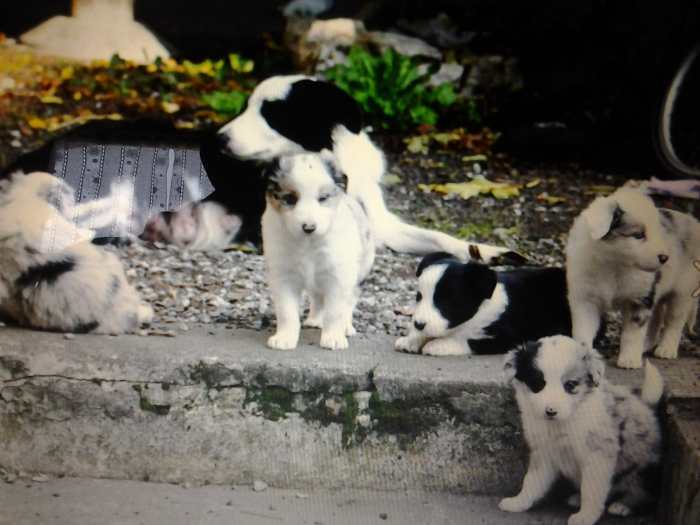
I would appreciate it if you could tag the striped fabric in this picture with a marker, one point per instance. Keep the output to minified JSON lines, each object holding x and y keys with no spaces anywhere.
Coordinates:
{"x":164,"y":178}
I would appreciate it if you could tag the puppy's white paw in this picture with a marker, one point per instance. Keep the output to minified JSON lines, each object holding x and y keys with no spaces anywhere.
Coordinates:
{"x":283,"y":341}
{"x":617,"y":508}
{"x":406,"y":344}
{"x":629,"y":361}
{"x":666,"y":352}
{"x":144,"y":312}
{"x":514,"y":504}
{"x":582,"y":519}
{"x":334,"y":340}
{"x":313,"y":322}
{"x":574,"y":501}
{"x":350,"y":330}
{"x":443,"y":347}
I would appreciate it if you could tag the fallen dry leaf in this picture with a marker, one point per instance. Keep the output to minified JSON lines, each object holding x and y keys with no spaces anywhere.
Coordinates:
{"x":479,"y":185}
{"x":550,"y":199}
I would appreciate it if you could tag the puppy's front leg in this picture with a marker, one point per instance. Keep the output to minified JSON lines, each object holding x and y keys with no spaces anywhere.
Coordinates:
{"x":635,"y":321}
{"x":287,"y":297}
{"x":446,"y":346}
{"x":585,"y":320}
{"x":596,"y":479}
{"x":539,"y":478}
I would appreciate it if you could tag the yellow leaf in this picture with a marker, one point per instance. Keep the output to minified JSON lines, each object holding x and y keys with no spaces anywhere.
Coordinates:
{"x":67,"y":72}
{"x":151,"y":68}
{"x":37,"y":123}
{"x":550,"y":199}
{"x":170,"y":107}
{"x":478,"y":185}
{"x":533,"y":183}
{"x":51,"y":99}
{"x":77,"y":95}
{"x":417,"y":144}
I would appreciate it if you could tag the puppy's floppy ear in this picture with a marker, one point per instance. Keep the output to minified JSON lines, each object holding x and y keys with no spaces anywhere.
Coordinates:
{"x":340,"y":179}
{"x":603,"y":216}
{"x":270,"y":175}
{"x":433,"y":258}
{"x":479,"y":278}
{"x":510,"y":364}
{"x":595,"y":366}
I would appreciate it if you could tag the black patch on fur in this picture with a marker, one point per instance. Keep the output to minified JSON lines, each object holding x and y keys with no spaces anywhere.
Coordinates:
{"x":85,"y":328}
{"x":537,"y":307}
{"x":616,"y":221}
{"x":526,"y":371}
{"x":461,"y":290}
{"x":667,"y":220}
{"x":434,"y":258}
{"x":45,"y":273}
{"x":310,"y":112}
{"x":649,"y":299}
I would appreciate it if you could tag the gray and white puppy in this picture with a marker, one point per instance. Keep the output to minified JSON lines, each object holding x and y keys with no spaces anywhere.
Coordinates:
{"x":317,"y":239}
{"x":601,"y":437}
{"x":51,"y":276}
{"x":625,"y":253}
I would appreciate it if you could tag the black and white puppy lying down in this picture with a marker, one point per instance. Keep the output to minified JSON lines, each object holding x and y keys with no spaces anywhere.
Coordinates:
{"x":470,"y":308}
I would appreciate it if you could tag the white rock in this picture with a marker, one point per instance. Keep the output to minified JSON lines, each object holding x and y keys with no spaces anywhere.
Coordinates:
{"x":259,"y":486}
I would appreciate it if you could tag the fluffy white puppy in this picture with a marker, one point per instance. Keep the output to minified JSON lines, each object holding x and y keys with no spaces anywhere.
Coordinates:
{"x":599,"y":436}
{"x":316,"y":239}
{"x":625,"y":253}
{"x":51,"y":276}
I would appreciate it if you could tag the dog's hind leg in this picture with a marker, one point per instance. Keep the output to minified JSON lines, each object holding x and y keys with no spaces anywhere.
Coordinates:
{"x":315,"y":317}
{"x":399,"y":236}
{"x":676,"y":317}
{"x":693,"y":318}
{"x":635,"y":323}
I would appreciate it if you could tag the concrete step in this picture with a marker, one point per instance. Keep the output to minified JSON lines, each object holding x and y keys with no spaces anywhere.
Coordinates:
{"x":87,"y":502}
{"x":218,"y":407}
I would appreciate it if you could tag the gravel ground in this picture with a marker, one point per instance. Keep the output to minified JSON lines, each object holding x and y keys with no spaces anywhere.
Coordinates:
{"x":196,"y":288}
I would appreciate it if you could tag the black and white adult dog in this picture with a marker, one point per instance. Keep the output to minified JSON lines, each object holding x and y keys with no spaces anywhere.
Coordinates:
{"x":296,"y":114}
{"x":284,"y":115}
{"x":601,"y":437}
{"x":470,"y":308}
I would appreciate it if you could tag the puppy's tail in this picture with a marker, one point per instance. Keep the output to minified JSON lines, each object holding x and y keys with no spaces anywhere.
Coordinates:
{"x":653,"y":387}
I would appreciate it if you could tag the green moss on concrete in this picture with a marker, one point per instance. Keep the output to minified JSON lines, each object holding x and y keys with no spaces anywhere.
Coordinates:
{"x":274,"y":402}
{"x":147,"y":406}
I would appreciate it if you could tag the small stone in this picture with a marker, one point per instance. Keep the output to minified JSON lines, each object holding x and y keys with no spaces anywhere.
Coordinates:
{"x":259,"y":486}
{"x":384,"y":516}
{"x":301,"y":495}
{"x":69,"y":336}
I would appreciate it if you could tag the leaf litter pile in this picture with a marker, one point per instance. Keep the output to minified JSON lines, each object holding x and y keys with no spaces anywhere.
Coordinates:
{"x":448,"y":180}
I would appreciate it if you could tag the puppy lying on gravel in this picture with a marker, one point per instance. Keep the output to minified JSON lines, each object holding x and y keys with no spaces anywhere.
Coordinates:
{"x":470,"y":308}
{"x":316,"y":239}
{"x":51,"y":276}
{"x":602,"y":437}
{"x":623,"y":252}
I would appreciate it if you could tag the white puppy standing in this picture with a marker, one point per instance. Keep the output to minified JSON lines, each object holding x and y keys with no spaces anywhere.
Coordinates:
{"x":601,"y":437}
{"x":316,"y":239}
{"x":625,"y":253}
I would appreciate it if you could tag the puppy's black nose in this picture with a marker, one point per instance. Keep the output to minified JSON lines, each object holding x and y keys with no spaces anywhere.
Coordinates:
{"x":419,"y":326}
{"x":663,"y":258}
{"x":550,"y":412}
{"x":308,"y":228}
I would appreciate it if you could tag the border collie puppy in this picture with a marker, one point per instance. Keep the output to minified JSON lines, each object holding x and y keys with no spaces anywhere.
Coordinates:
{"x":601,"y":437}
{"x":470,"y":308}
{"x":296,"y":114}
{"x":316,"y":239}
{"x":51,"y":276}
{"x":623,"y":252}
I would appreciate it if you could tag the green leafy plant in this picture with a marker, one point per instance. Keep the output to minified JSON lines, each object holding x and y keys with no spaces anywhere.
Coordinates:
{"x":229,"y":103}
{"x":392,"y":89}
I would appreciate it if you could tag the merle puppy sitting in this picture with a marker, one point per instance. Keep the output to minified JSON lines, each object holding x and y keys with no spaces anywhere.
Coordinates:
{"x":470,"y":308}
